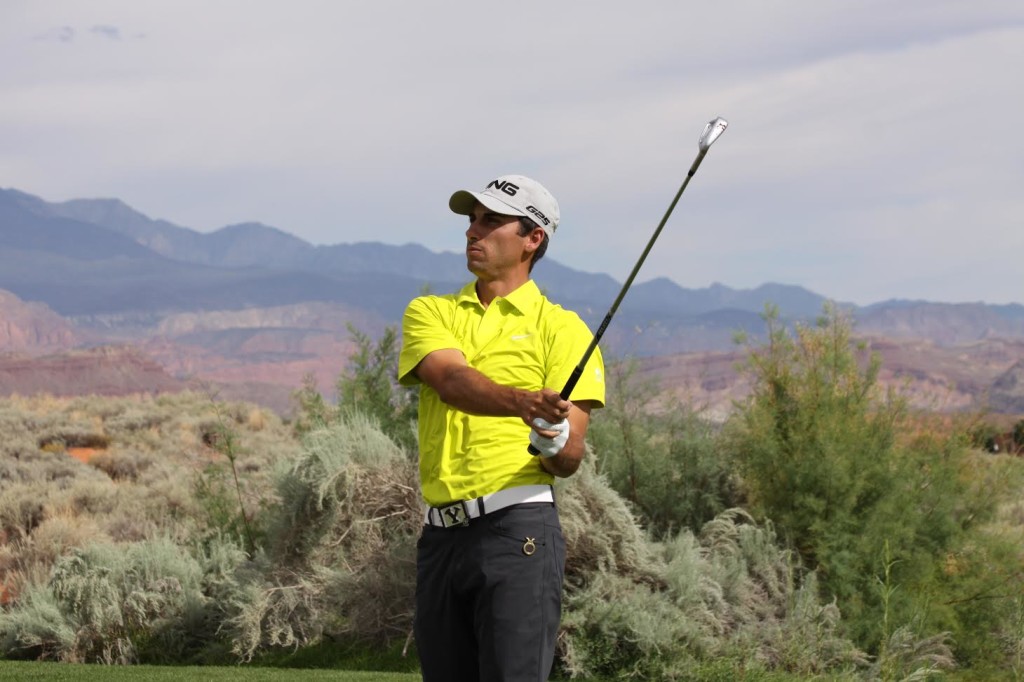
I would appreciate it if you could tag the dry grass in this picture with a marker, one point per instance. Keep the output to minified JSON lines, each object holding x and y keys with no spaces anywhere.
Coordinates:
{"x":342,"y":513}
{"x":82,"y":470}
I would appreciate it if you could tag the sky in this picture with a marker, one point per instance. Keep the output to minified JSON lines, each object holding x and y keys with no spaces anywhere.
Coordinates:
{"x":875,"y":149}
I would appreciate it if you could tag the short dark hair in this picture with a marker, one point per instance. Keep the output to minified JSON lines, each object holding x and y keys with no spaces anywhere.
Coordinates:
{"x":526,"y":226}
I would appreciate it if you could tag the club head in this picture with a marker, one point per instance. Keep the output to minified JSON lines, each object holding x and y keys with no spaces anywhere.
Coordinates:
{"x":711,"y":132}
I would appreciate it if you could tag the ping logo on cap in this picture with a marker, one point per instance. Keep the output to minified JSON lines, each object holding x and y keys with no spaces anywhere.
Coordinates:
{"x":505,"y":186}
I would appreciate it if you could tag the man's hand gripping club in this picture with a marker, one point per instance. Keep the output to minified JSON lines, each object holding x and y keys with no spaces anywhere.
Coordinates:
{"x":550,"y":430}
{"x":549,"y":446}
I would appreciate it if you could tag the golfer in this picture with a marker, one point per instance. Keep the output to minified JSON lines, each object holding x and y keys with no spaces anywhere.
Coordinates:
{"x":490,"y":360}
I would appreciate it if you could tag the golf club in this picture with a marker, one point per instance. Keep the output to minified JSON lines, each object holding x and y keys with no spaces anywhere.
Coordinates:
{"x":712,"y":131}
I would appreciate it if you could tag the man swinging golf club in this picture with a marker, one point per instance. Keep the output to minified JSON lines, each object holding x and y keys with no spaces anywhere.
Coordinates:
{"x":490,"y":360}
{"x":491,"y":557}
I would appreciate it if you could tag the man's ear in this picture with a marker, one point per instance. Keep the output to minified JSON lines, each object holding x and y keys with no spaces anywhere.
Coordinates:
{"x":535,"y":239}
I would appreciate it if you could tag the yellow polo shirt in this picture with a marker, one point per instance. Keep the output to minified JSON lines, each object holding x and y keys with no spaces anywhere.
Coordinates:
{"x":521,"y":340}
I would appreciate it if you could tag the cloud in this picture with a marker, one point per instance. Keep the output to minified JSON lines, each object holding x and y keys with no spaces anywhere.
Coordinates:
{"x":62,"y":34}
{"x":68,"y":34}
{"x":105,"y":31}
{"x":870,"y":152}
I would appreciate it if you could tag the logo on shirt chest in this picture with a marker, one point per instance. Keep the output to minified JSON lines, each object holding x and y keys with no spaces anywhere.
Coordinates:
{"x":513,"y":359}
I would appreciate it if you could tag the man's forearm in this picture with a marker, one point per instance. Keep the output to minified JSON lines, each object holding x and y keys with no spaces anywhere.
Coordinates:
{"x":469,"y":390}
{"x":564,"y":464}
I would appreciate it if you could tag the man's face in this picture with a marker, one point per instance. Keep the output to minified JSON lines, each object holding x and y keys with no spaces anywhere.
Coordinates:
{"x":493,"y":244}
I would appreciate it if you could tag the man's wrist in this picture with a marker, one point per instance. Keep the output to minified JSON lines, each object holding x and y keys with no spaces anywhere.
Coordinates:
{"x":561,"y":465}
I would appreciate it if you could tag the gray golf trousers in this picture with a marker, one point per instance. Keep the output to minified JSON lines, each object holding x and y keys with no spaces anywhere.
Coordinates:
{"x":489,"y":596}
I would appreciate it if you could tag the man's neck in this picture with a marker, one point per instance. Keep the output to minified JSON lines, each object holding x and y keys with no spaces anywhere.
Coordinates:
{"x":488,"y":291}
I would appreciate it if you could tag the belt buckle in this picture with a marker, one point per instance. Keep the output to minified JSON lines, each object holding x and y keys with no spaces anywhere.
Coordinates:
{"x":455,"y":514}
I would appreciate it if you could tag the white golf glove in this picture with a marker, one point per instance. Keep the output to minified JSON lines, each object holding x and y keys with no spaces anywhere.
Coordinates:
{"x":549,"y":447}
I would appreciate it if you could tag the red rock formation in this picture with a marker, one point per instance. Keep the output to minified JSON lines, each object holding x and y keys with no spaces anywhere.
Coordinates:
{"x":107,"y":370}
{"x":32,"y":327}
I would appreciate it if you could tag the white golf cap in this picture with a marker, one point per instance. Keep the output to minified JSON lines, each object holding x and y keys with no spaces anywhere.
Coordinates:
{"x":512,"y":195}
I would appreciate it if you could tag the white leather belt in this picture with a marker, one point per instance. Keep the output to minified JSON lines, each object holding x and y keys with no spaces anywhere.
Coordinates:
{"x":460,"y":513}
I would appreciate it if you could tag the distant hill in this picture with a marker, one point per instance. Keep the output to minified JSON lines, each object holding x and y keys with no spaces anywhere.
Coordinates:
{"x":944,"y":323}
{"x":251,"y":301}
{"x":99,"y":261}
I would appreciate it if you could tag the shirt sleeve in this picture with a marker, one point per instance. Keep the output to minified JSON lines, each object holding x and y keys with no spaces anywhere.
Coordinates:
{"x":566,"y":350}
{"x":423,"y":332}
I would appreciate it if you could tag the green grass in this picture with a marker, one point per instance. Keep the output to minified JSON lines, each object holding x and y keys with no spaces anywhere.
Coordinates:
{"x":78,"y":672}
{"x":74,"y":672}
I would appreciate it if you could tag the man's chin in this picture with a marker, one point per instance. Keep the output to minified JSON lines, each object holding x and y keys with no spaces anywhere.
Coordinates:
{"x":474,"y":265}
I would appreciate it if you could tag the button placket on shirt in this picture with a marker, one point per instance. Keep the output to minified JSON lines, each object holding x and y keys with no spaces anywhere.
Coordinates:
{"x":491,"y":328}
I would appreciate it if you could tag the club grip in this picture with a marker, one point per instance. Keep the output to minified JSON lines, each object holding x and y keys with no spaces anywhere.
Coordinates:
{"x":573,"y":380}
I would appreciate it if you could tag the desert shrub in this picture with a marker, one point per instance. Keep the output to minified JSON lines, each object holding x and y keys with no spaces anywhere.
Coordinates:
{"x":140,"y":488}
{"x":37,"y":523}
{"x":140,"y":602}
{"x":909,"y":655}
{"x":134,"y":418}
{"x":311,"y":410}
{"x":729,"y":597}
{"x":341,"y":553}
{"x":257,"y":419}
{"x":127,"y":603}
{"x":232,"y":450}
{"x":982,"y":434}
{"x":339,"y":514}
{"x":39,"y":479}
{"x":368,"y":385}
{"x":18,"y":439}
{"x":623,"y":615}
{"x":662,"y":457}
{"x":22,"y":509}
{"x":619,"y":629}
{"x":73,"y":438}
{"x":821,"y":457}
{"x":36,"y":629}
{"x":218,"y":488}
{"x":121,"y":465}
{"x":92,"y":496}
{"x":59,"y":534}
{"x":601,"y":531}
{"x":769,"y":604}
{"x":349,"y":475}
{"x":978,"y":581}
{"x":219,"y":507}
{"x":106,"y":613}
{"x":342,"y":543}
{"x":662,"y":610}
{"x":28,"y":559}
{"x":1011,"y":638}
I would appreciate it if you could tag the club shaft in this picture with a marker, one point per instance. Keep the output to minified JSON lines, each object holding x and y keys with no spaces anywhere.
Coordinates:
{"x":576,"y":373}
{"x":566,"y":391}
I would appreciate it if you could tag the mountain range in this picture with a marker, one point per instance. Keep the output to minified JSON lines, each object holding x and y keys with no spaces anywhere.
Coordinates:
{"x":253,"y":303}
